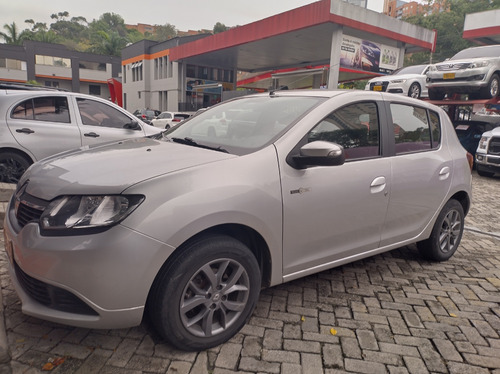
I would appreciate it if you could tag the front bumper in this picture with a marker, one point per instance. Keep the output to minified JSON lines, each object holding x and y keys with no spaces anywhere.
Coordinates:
{"x":92,"y":281}
{"x":488,"y":163}
{"x":463,"y":81}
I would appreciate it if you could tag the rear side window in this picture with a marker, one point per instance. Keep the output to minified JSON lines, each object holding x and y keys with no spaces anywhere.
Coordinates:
{"x":50,"y":109}
{"x":415,"y":129}
{"x":355,"y":127}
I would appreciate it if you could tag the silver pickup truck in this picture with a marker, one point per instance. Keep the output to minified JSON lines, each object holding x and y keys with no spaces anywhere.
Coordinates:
{"x":488,"y":153}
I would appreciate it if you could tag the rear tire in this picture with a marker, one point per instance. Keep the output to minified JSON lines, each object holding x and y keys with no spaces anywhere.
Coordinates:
{"x":446,"y":233}
{"x":12,"y":166}
{"x":206,"y":294}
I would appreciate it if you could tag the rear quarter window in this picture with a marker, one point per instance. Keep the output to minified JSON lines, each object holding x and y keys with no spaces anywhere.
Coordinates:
{"x":47,"y":109}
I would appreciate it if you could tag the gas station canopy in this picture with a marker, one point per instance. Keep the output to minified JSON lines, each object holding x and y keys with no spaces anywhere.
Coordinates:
{"x":309,"y":37}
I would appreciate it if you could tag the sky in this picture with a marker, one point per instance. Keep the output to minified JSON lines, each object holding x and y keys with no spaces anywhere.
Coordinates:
{"x":183,"y":14}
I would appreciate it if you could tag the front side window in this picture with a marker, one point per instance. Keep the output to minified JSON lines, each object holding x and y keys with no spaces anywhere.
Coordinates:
{"x":355,"y":127}
{"x":412,"y":129}
{"x":50,"y":109}
{"x":95,"y":113}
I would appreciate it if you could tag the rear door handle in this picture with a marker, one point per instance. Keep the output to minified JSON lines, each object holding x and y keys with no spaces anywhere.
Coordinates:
{"x":444,"y":173}
{"x":25,"y":131}
{"x":91,"y":135}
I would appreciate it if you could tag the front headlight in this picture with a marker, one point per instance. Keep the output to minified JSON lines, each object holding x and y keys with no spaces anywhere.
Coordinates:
{"x":399,"y":81}
{"x":479,"y":64}
{"x":85,"y":212}
{"x":483,"y":142}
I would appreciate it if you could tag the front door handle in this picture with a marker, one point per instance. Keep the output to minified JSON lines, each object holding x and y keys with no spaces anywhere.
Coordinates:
{"x":378,"y":185}
{"x":91,"y":135}
{"x":25,"y":131}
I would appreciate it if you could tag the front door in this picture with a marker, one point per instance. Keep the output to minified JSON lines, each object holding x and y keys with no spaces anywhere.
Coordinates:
{"x":334,"y":212}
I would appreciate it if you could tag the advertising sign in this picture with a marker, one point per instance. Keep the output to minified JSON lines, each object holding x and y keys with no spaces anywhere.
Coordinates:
{"x":365,"y":55}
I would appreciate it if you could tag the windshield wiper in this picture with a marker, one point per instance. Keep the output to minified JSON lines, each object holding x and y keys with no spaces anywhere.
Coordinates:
{"x":191,"y":142}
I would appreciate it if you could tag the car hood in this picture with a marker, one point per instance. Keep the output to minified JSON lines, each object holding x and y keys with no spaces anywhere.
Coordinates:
{"x":111,"y":168}
{"x":391,"y":78}
{"x":494,"y":132}
{"x":466,"y":61}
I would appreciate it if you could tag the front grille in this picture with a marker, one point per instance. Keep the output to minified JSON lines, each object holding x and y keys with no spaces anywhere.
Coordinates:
{"x":28,"y":208}
{"x":494,"y":146}
{"x":452,"y":66}
{"x":51,"y":296}
{"x":26,"y":214}
{"x":493,"y":160}
{"x":383,"y":84}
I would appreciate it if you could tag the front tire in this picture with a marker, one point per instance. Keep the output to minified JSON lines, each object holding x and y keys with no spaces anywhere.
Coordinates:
{"x":492,"y":89}
{"x":206,"y":294}
{"x":414,"y":90}
{"x":482,"y":173}
{"x":446,"y":233}
{"x":435,"y":95}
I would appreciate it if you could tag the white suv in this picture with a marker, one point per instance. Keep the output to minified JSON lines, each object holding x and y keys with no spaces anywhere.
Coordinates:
{"x":38,"y":123}
{"x":200,"y":220}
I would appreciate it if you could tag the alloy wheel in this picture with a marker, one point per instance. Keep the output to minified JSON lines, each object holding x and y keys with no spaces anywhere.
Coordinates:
{"x":450,"y":231}
{"x":214,"y":297}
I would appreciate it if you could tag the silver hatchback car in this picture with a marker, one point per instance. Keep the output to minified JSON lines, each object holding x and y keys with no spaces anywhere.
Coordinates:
{"x":186,"y":227}
{"x":40,"y":122}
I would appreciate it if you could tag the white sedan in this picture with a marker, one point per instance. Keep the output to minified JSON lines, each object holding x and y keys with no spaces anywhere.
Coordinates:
{"x":409,"y":81}
{"x":167,"y":120}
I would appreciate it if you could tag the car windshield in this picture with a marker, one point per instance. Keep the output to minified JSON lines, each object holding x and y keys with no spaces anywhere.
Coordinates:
{"x":489,"y":51}
{"x":243,"y":125}
{"x":417,"y":69}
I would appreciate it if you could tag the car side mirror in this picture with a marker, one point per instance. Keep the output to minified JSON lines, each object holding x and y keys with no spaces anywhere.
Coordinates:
{"x":319,"y":153}
{"x":133,"y":125}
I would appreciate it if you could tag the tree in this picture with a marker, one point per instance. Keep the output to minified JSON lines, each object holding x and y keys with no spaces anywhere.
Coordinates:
{"x":108,"y":43}
{"x":12,"y":36}
{"x":449,"y":26}
{"x":220,"y":27}
{"x":164,"y":32}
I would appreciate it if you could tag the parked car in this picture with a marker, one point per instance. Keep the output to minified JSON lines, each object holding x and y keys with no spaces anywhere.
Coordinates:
{"x":146,"y":115}
{"x":469,"y":133}
{"x":166,"y":120}
{"x":488,"y":153}
{"x":408,"y":81}
{"x":198,"y":223}
{"x":38,"y":123}
{"x":474,"y":71}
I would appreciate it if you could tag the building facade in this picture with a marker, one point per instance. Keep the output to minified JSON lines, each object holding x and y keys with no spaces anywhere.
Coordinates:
{"x":54,"y":65}
{"x":401,"y":9}
{"x":152,"y":80}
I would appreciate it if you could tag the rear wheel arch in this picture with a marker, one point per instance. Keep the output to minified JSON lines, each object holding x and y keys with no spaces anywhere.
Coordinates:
{"x":464,"y":199}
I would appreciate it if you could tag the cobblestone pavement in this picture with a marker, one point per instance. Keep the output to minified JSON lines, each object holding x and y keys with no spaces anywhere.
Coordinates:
{"x":392,"y":313}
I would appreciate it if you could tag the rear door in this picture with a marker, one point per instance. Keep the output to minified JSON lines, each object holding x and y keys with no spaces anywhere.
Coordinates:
{"x":44,"y":125}
{"x":422,"y":171}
